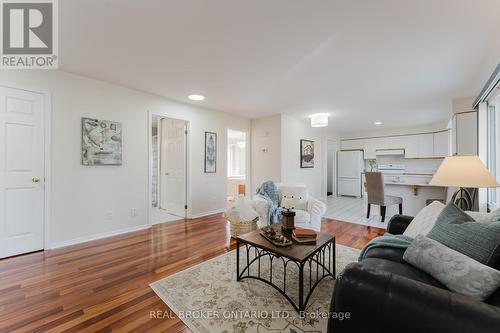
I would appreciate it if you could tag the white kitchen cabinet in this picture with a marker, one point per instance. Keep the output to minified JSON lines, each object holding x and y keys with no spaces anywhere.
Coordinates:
{"x":371,"y":146}
{"x":465,"y":133}
{"x":453,"y":126}
{"x":392,"y":142}
{"x":410,"y":143}
{"x":426,"y":145}
{"x":442,"y":144}
{"x":419,"y":146}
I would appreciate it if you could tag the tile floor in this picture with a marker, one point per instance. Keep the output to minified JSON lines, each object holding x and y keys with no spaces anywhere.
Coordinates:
{"x":353,"y":210}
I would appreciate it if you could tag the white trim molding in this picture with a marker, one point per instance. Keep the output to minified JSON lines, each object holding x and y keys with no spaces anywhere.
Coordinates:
{"x":203,"y":214}
{"x":107,"y":234}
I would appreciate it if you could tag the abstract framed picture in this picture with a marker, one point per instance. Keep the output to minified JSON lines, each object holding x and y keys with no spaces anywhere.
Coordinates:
{"x":306,"y":153}
{"x":101,"y":142}
{"x":210,"y":152}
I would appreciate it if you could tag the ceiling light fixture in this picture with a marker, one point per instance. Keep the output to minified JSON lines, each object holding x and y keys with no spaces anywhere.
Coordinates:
{"x":319,"y":120}
{"x":377,"y":123}
{"x":195,"y":97}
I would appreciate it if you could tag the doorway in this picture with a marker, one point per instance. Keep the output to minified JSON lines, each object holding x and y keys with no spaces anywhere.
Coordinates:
{"x":330,"y":167}
{"x":168,"y":169}
{"x":236,"y":164}
{"x":23,"y":152}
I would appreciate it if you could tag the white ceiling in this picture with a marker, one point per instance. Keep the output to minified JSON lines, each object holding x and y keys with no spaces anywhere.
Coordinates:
{"x":397,"y":61}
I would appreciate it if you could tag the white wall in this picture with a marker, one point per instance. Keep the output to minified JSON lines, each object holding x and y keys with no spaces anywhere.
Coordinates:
{"x":265,"y":150}
{"x":83,"y":198}
{"x":292,"y":131}
{"x":462,"y":104}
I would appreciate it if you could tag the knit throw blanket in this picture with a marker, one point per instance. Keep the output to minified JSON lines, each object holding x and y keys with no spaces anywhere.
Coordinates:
{"x":396,"y":241}
{"x":269,"y":192}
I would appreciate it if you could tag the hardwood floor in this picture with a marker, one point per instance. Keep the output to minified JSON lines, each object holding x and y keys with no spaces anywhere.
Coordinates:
{"x":103,"y":286}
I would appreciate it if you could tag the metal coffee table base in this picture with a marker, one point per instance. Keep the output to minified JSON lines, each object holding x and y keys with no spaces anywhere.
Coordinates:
{"x":323,"y":259}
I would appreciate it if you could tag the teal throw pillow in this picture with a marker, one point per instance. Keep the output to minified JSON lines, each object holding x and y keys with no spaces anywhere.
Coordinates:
{"x":458,"y":231}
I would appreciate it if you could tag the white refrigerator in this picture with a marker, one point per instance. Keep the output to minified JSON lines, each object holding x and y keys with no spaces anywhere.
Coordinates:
{"x":350,"y":167}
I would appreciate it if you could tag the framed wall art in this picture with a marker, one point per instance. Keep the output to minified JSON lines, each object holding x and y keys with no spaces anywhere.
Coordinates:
{"x":306,"y":153}
{"x":101,"y":142}
{"x":210,"y":152}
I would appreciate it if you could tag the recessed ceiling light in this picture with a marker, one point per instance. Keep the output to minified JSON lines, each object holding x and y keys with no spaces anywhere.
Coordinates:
{"x":377,"y":123}
{"x":195,"y":97}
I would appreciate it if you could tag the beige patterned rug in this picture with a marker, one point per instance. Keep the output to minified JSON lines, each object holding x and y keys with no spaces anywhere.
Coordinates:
{"x":208,"y":299}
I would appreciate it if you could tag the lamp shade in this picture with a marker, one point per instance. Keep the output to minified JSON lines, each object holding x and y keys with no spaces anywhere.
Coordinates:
{"x":463,"y":171}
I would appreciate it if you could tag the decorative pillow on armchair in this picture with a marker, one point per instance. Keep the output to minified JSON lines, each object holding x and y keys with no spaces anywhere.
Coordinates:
{"x":457,"y":230}
{"x":299,"y":194}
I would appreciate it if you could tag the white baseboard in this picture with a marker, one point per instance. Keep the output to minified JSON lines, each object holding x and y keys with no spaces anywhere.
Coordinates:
{"x":212,"y":212}
{"x":84,"y":239}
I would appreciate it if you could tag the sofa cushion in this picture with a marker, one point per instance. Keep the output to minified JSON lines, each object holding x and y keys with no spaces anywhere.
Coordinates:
{"x":424,"y":221}
{"x":455,"y":270}
{"x":299,"y":194}
{"x":402,"y":269}
{"x":458,"y":231}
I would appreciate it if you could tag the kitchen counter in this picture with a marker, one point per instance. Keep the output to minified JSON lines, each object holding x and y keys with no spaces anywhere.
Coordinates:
{"x":407,"y":183}
{"x":414,"y":189}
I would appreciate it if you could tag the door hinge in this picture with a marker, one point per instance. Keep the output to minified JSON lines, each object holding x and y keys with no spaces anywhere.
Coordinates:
{"x":185,"y":132}
{"x":185,"y":206}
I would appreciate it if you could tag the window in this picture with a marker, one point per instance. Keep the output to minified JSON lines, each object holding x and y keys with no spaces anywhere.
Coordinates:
{"x":492,"y":147}
{"x":493,"y":158}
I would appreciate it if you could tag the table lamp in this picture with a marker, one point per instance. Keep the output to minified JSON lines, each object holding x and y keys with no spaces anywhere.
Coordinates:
{"x":463,"y":172}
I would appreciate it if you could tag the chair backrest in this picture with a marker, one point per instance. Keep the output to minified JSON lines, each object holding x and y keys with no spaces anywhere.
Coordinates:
{"x":375,"y":187}
{"x":299,"y":192}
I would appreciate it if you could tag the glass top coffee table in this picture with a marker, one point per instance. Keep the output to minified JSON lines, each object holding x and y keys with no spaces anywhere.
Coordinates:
{"x":314,"y":262}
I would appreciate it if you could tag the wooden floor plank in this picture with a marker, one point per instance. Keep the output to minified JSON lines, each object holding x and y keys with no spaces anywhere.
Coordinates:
{"x":103,"y":286}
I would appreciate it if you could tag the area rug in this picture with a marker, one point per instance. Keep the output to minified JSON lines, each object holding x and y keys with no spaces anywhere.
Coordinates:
{"x":208,"y":299}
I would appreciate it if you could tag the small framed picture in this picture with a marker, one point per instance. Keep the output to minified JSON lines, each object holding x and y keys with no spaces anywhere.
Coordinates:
{"x":306,"y":153}
{"x":210,"y":152}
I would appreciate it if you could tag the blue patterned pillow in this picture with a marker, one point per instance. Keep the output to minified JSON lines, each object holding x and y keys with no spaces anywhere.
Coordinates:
{"x":458,"y":231}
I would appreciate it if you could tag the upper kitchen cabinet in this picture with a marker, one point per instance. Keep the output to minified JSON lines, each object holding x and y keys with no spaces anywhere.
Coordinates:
{"x":442,"y":144}
{"x":464,"y":132}
{"x":371,"y":146}
{"x":419,"y":146}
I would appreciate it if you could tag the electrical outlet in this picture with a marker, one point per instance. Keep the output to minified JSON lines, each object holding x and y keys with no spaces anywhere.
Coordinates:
{"x":133,"y":212}
{"x":109,"y":215}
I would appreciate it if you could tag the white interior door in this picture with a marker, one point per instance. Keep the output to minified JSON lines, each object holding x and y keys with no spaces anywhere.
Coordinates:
{"x":173,"y":166}
{"x":21,"y":172}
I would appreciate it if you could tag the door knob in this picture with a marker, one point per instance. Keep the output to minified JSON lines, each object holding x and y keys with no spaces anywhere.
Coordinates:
{"x":35,"y":179}
{"x":166,"y":173}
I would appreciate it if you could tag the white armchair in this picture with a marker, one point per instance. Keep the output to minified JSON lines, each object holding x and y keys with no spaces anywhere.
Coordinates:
{"x":308,"y":210}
